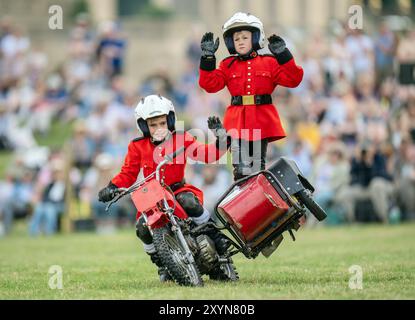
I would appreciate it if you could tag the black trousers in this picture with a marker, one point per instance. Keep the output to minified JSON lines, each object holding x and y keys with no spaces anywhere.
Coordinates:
{"x":248,"y":157}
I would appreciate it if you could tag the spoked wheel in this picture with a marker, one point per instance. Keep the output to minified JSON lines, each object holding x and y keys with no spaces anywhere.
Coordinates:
{"x":173,"y":256}
{"x":305,"y":198}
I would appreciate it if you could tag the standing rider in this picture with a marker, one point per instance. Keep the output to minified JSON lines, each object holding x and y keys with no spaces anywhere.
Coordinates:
{"x":251,"y":119}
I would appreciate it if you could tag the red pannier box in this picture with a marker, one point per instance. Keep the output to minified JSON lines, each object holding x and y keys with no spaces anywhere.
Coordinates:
{"x":252,"y":207}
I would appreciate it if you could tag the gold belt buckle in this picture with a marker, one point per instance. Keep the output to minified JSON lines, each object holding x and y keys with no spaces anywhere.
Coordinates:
{"x":248,"y":100}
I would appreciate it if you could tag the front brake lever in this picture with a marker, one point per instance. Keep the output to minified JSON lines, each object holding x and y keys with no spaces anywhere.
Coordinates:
{"x":117,"y":197}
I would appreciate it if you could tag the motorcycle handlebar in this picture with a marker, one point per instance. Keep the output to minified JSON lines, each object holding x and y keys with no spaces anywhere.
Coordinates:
{"x":123,"y":191}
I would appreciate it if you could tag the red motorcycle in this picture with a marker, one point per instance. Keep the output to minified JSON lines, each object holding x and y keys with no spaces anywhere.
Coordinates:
{"x":255,"y":210}
{"x":184,"y":248}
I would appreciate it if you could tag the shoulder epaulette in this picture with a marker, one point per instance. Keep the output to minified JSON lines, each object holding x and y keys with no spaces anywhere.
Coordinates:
{"x":268,"y":55}
{"x":228,"y":57}
{"x":138,"y":139}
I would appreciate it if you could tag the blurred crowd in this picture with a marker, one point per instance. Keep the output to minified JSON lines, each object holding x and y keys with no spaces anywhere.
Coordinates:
{"x":350,"y":125}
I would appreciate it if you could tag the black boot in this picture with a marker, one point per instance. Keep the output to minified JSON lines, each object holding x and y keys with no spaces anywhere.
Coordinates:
{"x":240,"y":170}
{"x":222,"y":243}
{"x":162,"y":270}
{"x":248,"y":157}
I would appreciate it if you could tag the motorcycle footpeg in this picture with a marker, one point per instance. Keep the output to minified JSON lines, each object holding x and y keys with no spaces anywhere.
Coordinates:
{"x":224,"y":260}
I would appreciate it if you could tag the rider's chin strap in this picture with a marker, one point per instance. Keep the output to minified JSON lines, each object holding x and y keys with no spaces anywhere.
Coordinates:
{"x":169,"y":135}
{"x":203,"y":218}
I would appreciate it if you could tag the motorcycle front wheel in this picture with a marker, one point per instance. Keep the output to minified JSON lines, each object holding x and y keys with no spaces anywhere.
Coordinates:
{"x":173,"y":256}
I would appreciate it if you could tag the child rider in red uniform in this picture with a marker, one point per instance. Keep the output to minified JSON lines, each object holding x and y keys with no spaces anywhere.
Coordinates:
{"x":156,"y":119}
{"x":251,"y":119}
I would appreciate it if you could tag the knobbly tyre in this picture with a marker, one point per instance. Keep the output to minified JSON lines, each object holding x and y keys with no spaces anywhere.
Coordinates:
{"x":258,"y":209}
{"x":185,"y":248}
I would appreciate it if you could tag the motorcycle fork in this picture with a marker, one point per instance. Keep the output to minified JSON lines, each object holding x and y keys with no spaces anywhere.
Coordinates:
{"x":179,"y":234}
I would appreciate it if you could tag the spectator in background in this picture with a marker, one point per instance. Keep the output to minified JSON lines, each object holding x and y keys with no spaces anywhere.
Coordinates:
{"x":51,"y":204}
{"x":385,"y":46}
{"x":14,"y":43}
{"x":5,"y":26}
{"x":214,"y":181}
{"x":330,"y":176}
{"x":13,"y":47}
{"x":18,"y":192}
{"x":200,"y":106}
{"x":405,"y":52}
{"x":6,"y":207}
{"x":193,"y":51}
{"x":77,"y":66}
{"x":348,"y":131}
{"x":161,"y":83}
{"x":335,"y":115}
{"x":5,"y":143}
{"x":299,"y":151}
{"x":111,"y":49}
{"x":100,"y":122}
{"x":360,"y":47}
{"x":405,"y":168}
{"x":82,"y":146}
{"x":338,"y":61}
{"x":96,"y":178}
{"x":369,"y":180}
{"x":56,"y":95}
{"x":51,"y":101}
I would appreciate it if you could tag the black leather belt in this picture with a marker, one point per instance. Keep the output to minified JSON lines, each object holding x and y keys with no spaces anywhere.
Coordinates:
{"x":250,"y":100}
{"x":177,"y":185}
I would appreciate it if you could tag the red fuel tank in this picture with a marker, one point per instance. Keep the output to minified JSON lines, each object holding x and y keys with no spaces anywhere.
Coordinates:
{"x":252,"y":207}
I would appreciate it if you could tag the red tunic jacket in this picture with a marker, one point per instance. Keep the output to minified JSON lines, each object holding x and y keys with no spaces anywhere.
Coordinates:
{"x":256,"y":76}
{"x":143,"y":154}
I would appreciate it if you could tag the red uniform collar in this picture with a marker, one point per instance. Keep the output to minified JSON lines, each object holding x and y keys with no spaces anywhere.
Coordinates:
{"x":248,"y":56}
{"x":251,"y":55}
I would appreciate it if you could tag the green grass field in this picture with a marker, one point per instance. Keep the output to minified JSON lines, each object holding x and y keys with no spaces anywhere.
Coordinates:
{"x":316,"y":266}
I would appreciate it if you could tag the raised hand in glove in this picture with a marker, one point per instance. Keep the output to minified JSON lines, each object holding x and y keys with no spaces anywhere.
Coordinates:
{"x":108,"y":193}
{"x":215,"y":125}
{"x":279,"y":49}
{"x":208,"y":46}
{"x":276,"y":44}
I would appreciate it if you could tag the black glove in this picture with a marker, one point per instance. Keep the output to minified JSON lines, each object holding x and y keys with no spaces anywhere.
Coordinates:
{"x":279,"y":49}
{"x":276,"y":44}
{"x":208,"y":46}
{"x":108,"y":193}
{"x":217,"y":128}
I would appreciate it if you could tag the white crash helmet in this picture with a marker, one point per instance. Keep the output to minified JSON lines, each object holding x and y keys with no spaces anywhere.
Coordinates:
{"x":154,"y":106}
{"x":243,"y":21}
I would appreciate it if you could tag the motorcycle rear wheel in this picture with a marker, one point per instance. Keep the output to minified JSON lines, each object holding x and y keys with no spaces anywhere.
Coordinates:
{"x":224,"y":272}
{"x":172,"y":255}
